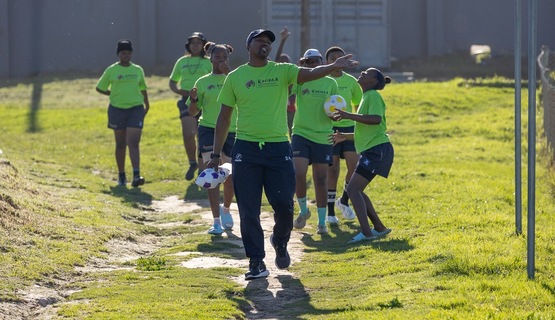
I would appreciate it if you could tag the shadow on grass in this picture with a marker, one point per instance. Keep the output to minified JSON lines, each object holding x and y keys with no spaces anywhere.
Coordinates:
{"x":34,"y":107}
{"x":289,"y":303}
{"x":133,"y":196}
{"x":338,"y":243}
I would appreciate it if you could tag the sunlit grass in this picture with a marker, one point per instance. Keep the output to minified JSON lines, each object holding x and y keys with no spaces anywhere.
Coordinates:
{"x":453,"y":252}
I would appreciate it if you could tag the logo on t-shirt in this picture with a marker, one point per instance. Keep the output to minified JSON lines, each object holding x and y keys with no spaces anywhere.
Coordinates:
{"x":249,"y":84}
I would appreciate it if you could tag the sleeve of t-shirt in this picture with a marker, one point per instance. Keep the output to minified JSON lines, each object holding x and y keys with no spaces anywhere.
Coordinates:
{"x":293,"y":73}
{"x":104,"y":81}
{"x":376,"y":106}
{"x":176,"y":74}
{"x":227,"y":96}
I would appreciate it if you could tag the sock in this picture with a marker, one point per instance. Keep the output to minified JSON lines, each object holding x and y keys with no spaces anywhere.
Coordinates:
{"x":322,"y":216}
{"x":345,"y":197}
{"x":302,"y":205}
{"x":217,"y":221}
{"x":224,"y":209}
{"x":122,"y":176}
{"x":136,"y":172}
{"x":331,"y":202}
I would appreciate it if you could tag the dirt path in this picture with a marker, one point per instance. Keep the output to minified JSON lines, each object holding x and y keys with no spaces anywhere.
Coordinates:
{"x":267,"y":297}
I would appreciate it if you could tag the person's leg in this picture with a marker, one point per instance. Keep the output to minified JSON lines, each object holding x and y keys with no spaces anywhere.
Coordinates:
{"x":333,"y":176}
{"x":319,"y":177}
{"x":120,"y":151}
{"x":133,"y":139}
{"x":279,"y":186}
{"x":189,"y":130}
{"x":301,"y":168}
{"x":356,"y":187}
{"x":351,"y":160}
{"x":373,"y":215}
{"x":248,"y":178}
{"x":225,"y":213}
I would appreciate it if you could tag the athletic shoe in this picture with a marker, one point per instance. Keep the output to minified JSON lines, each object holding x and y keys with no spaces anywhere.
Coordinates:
{"x":300,"y":222}
{"x":227,"y":219}
{"x":138,"y":181}
{"x":361,"y":237}
{"x":333,"y":220}
{"x":191,"y":172}
{"x":378,"y":234}
{"x":122,"y":182}
{"x":322,"y":229}
{"x":282,"y":256}
{"x":257,"y":269}
{"x":216,"y":229}
{"x":347,"y":212}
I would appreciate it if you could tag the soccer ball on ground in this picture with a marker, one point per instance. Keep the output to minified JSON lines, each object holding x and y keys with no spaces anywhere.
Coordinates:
{"x":210,"y":178}
{"x":333,"y":103}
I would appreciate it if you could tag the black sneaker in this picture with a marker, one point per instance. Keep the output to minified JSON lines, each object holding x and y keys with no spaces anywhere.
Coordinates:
{"x":138,"y":181}
{"x":191,"y":172}
{"x":257,"y":269}
{"x":122,"y":181}
{"x":282,"y":256}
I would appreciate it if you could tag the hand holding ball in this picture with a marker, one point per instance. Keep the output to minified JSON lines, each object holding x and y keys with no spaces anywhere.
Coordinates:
{"x":334,"y":102}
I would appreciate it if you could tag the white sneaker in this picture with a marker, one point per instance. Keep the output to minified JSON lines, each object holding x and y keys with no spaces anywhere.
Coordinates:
{"x":347,"y":212}
{"x":300,"y":222}
{"x":333,"y":220}
{"x":322,"y":229}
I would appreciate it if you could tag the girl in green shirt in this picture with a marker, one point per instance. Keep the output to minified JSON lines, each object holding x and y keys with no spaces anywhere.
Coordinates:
{"x":188,"y":69}
{"x":374,"y":147}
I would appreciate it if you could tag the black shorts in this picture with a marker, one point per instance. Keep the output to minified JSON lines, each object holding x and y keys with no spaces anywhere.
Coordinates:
{"x":376,"y":161}
{"x":119,"y":119}
{"x":314,"y":152}
{"x":345,"y":146}
{"x":184,"y":109}
{"x":206,"y":141}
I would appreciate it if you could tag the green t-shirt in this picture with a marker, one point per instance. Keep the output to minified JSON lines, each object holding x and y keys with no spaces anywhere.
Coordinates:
{"x":311,"y":120}
{"x":125,"y":84}
{"x":351,"y":91}
{"x":259,"y":95}
{"x":368,"y":136}
{"x":188,"y":69}
{"x":208,"y":90}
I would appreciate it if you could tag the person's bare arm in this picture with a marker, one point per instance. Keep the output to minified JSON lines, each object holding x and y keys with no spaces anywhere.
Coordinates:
{"x":104,"y":92}
{"x":220,"y":134}
{"x":284,"y":35}
{"x":309,"y":74}
{"x":362,"y":118}
{"x":174,"y":88}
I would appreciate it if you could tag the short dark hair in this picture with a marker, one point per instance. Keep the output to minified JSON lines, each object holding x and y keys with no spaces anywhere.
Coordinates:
{"x":334,"y":49}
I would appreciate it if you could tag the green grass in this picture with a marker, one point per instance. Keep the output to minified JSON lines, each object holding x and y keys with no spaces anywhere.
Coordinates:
{"x":453,"y":252}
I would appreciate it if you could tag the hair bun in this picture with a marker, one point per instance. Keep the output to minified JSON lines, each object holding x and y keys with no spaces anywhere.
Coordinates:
{"x":387,"y":79}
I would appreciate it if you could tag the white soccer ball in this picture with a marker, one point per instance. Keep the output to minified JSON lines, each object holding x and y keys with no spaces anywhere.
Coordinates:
{"x":333,"y":103}
{"x":209,"y":179}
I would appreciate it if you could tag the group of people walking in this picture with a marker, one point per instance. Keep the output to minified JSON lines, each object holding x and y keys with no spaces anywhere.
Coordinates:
{"x":241,"y":116}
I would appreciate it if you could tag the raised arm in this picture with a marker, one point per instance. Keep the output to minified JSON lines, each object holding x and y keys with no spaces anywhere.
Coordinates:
{"x":284,"y":34}
{"x":309,"y":74}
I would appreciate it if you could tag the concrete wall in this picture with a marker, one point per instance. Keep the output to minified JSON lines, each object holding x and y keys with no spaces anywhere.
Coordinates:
{"x":79,"y":36}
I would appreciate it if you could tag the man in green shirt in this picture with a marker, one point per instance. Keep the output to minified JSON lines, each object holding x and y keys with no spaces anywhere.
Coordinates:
{"x":262,"y":157}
